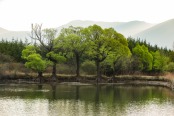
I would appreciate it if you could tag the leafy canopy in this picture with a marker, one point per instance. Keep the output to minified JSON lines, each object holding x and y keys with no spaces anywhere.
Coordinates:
{"x":34,"y":60}
{"x":144,"y":56}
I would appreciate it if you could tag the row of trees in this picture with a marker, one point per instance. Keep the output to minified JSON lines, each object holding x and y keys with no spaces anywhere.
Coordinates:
{"x":110,"y":51}
{"x":92,"y":43}
{"x":12,"y":50}
{"x":151,"y":59}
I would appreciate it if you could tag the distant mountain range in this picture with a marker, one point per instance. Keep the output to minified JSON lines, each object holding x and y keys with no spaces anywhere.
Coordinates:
{"x":126,"y":28}
{"x":9,"y":35}
{"x":161,"y":34}
{"x":2,"y":30}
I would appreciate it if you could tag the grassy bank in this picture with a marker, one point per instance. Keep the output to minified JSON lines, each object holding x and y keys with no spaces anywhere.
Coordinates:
{"x":17,"y":73}
{"x":165,"y":81}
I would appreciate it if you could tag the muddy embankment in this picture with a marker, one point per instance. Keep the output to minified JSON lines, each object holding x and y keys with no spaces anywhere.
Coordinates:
{"x":118,"y":80}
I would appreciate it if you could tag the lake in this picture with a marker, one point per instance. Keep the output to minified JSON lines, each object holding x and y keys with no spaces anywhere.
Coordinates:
{"x":74,"y":99}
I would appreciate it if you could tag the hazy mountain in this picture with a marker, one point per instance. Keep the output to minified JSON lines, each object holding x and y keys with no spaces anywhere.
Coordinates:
{"x":80,"y":23}
{"x":9,"y":35}
{"x":132,"y":27}
{"x":126,"y":28}
{"x":3,"y":30}
{"x":88,"y":23}
{"x":161,"y":34}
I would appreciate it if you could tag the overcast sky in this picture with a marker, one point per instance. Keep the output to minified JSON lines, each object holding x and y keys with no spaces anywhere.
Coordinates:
{"x":19,"y":14}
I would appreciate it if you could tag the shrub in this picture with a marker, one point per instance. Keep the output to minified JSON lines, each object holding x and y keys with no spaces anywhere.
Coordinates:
{"x":89,"y":67}
{"x":170,"y":67}
{"x":5,"y":58}
{"x":65,"y":69}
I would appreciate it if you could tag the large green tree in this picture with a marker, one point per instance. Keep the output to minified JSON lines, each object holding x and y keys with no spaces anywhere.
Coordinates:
{"x":102,"y":44}
{"x":120,"y":52}
{"x":119,"y":47}
{"x":159,"y":61}
{"x":34,"y":60}
{"x":143,"y":57}
{"x":73,"y":40}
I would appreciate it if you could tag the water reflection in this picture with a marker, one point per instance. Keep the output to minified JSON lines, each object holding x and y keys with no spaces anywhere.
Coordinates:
{"x":53,"y":87}
{"x":40,"y":87}
{"x":68,"y":100}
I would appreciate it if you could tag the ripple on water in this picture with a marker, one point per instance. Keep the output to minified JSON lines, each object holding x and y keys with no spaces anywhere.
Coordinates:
{"x":151,"y":108}
{"x":70,"y":100}
{"x":21,"y":107}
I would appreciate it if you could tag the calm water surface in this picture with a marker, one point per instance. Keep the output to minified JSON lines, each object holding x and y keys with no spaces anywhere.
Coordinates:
{"x":85,"y":100}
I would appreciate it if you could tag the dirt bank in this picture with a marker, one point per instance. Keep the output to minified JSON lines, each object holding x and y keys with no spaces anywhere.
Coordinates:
{"x":119,"y":80}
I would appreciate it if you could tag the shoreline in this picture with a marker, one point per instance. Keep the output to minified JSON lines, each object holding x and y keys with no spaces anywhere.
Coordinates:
{"x":118,"y":80}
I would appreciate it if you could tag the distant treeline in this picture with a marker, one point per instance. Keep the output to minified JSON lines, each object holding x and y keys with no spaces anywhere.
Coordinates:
{"x":11,"y":50}
{"x":160,"y":59}
{"x":92,"y":48}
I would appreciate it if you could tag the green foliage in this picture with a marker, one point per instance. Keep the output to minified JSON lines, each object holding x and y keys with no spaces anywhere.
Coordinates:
{"x":110,"y":51}
{"x":100,"y":44}
{"x":133,"y":42}
{"x":171,"y":56}
{"x":119,"y":50}
{"x":58,"y":58}
{"x":170,"y":67}
{"x":160,"y":61}
{"x":144,"y":56}
{"x":12,"y":48}
{"x":28,"y":51}
{"x":34,"y":60}
{"x":73,"y":41}
{"x":106,"y":45}
{"x":161,"y":56}
{"x":123,"y":65}
{"x":46,"y":44}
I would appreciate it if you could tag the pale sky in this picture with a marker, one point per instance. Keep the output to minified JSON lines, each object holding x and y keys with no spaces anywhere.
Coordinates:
{"x":19,"y":14}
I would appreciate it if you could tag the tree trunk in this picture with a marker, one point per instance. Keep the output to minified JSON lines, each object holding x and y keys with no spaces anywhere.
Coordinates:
{"x":40,"y":76}
{"x":114,"y":73}
{"x":54,"y":72}
{"x":98,"y":71}
{"x":78,"y":65}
